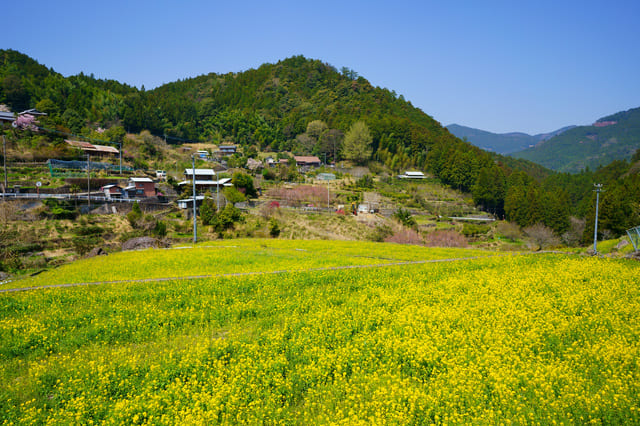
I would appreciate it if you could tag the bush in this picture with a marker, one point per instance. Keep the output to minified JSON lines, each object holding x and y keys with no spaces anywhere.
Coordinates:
{"x":365,"y":181}
{"x":404,"y":217}
{"x":445,"y":238}
{"x":405,"y":236}
{"x":233,"y":195}
{"x":274,"y":229}
{"x":380,"y":234}
{"x":509,"y":230}
{"x":473,"y":230}
{"x":83,"y":245}
{"x":541,"y":237}
{"x":135,"y":214}
{"x":226,"y":218}
{"x":207,"y":211}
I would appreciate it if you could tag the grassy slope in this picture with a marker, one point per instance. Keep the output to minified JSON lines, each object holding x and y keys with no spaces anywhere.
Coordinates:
{"x":536,"y":338}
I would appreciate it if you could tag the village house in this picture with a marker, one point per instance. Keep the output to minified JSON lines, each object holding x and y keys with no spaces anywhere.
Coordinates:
{"x":112,"y":191}
{"x":226,"y":150}
{"x":307,"y":161}
{"x":204,"y":179}
{"x":412,"y":175}
{"x":140,"y":187}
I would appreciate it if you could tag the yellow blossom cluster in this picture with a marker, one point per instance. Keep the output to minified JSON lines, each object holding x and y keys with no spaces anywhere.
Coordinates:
{"x":533,"y":339}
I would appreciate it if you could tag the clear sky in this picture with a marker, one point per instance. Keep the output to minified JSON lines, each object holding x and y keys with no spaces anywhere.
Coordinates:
{"x":501,"y":66}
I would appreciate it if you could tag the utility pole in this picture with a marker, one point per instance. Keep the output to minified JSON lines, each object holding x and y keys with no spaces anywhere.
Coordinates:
{"x":4,"y":156}
{"x":120,"y":149}
{"x":193,"y":180}
{"x":598,"y":187}
{"x":88,"y":183}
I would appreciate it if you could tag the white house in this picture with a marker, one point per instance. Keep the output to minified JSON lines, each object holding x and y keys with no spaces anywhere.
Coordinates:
{"x":412,"y":175}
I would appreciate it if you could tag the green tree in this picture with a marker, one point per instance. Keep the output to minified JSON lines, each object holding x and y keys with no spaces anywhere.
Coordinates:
{"x":357,"y":143}
{"x":316,"y":128}
{"x":244,"y":183}
{"x":489,"y":190}
{"x":207,"y":211}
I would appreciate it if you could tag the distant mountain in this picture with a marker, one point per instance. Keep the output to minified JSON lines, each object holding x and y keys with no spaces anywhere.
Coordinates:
{"x":615,"y":137}
{"x":502,"y":143}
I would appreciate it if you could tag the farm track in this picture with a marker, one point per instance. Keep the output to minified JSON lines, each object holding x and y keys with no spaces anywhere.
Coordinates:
{"x":284,"y":271}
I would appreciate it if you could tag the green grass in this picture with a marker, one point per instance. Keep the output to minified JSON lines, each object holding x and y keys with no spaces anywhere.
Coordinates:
{"x":512,"y":339}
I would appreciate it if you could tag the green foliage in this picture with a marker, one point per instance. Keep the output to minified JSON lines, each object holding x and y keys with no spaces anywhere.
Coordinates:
{"x":135,"y":214}
{"x":357,"y":143}
{"x":233,"y":195}
{"x":404,"y":217}
{"x":365,"y":181}
{"x":274,"y":228}
{"x":244,"y":183}
{"x":474,"y":230}
{"x":207,"y":211}
{"x":268,"y":174}
{"x":226,"y":218}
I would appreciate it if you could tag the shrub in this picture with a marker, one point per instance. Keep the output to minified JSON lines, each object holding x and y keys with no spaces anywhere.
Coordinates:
{"x":509,"y":230}
{"x":541,"y":236}
{"x":207,"y":211}
{"x":404,"y":217}
{"x":473,"y":230}
{"x":445,"y":238}
{"x":233,"y":195}
{"x":274,"y":229}
{"x":405,"y":236}
{"x":380,"y":233}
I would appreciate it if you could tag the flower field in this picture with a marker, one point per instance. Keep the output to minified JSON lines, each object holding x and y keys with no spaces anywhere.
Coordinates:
{"x":529,"y":339}
{"x":237,"y":256}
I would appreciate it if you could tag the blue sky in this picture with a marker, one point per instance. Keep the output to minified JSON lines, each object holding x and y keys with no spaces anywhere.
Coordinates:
{"x":500,"y":66}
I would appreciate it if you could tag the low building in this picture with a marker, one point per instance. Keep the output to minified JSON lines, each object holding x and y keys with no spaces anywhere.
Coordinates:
{"x":186,"y":203}
{"x":412,"y":175}
{"x":140,"y":187}
{"x":227,"y":150}
{"x":204,"y":179}
{"x":112,"y":191}
{"x":307,"y":161}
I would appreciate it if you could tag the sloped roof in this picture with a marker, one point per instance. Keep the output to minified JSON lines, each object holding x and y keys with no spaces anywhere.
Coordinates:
{"x":306,"y":159}
{"x":89,"y":147}
{"x":200,"y":172}
{"x":6,"y":116}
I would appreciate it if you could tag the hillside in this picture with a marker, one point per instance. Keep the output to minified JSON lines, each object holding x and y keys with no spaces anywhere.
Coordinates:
{"x":296,"y":106}
{"x":615,"y":137}
{"x":501,"y":143}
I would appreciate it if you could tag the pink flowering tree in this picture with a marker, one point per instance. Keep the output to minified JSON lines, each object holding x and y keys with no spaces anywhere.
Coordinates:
{"x":25,"y":122}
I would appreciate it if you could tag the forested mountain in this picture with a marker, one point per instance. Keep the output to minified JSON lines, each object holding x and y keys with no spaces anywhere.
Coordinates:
{"x":502,"y":143}
{"x":306,"y":106}
{"x":615,"y":137}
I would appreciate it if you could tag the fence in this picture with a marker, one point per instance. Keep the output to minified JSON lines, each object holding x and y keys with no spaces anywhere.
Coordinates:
{"x":634,"y":236}
{"x":72,"y":168}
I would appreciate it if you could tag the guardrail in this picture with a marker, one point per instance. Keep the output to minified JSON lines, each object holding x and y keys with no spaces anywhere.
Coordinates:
{"x":12,"y":195}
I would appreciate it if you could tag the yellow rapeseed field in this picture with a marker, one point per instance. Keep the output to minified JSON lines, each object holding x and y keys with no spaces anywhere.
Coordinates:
{"x":529,"y":339}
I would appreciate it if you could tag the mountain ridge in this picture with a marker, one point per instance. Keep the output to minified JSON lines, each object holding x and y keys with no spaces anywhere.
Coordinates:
{"x":501,"y":143}
{"x":610,"y":138}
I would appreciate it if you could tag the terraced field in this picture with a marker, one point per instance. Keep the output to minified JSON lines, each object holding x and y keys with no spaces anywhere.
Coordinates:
{"x":343,"y":333}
